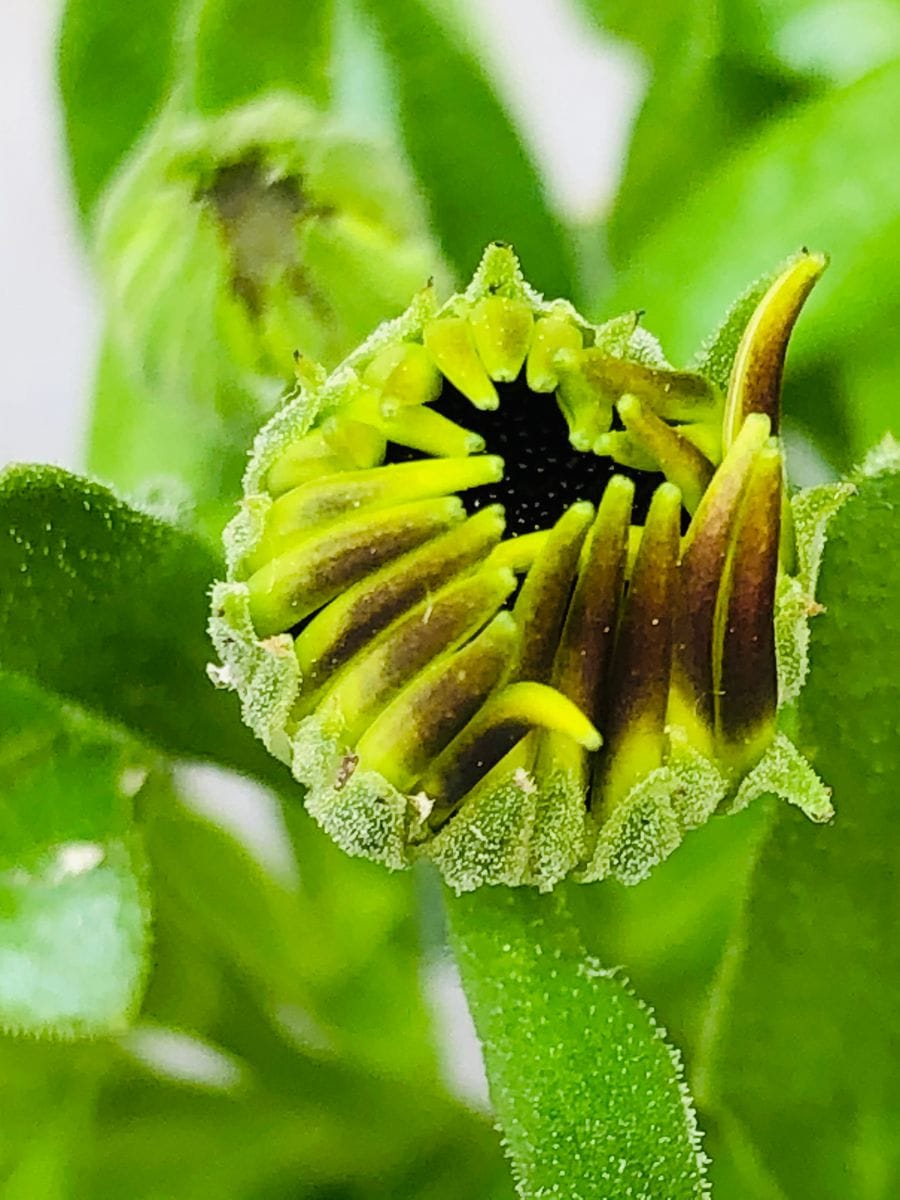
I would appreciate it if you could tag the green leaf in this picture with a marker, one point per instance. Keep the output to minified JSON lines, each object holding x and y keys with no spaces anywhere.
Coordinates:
{"x":114,"y":72}
{"x":800,"y":1068}
{"x":827,"y":175}
{"x":588,"y":1095}
{"x":48,"y":1094}
{"x":243,"y":48}
{"x":479,"y":180}
{"x":642,"y":25}
{"x":707,"y":92}
{"x":107,"y":606}
{"x":705,"y":104}
{"x":73,"y":913}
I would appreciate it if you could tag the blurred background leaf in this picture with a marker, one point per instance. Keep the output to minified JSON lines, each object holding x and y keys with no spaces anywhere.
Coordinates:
{"x":335,"y":948}
{"x":705,"y":96}
{"x":49,"y":1091}
{"x":184,"y":459}
{"x":114,"y":75}
{"x":805,"y":1013}
{"x":825,"y":175}
{"x":479,"y":180}
{"x":243,"y":48}
{"x":829,"y":41}
{"x":74,"y":937}
{"x":325,"y":51}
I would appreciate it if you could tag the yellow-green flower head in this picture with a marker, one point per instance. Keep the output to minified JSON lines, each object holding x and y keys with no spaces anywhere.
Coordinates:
{"x":510,"y":593}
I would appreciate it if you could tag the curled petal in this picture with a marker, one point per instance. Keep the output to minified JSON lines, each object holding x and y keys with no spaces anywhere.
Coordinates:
{"x":755,"y":384}
{"x":634,"y":725}
{"x":677,"y":457}
{"x":345,"y":626}
{"x":417,"y":725}
{"x":704,"y":555}
{"x":318,"y":566}
{"x":541,"y":605}
{"x":437,"y":624}
{"x":746,"y":673}
{"x":503,"y":722}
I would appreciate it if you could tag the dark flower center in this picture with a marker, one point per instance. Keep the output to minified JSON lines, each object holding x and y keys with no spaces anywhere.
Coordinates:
{"x":544,"y":473}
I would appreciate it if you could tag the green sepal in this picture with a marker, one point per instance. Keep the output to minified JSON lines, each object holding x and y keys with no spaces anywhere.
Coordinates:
{"x":513,"y":829}
{"x":651,"y":821}
{"x":359,"y":809}
{"x":265,"y":674}
{"x":716,"y":356}
{"x":784,"y":772}
{"x":795,"y":602}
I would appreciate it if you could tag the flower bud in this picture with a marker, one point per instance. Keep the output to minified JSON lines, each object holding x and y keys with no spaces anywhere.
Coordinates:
{"x":516,"y":641}
{"x":230,"y":245}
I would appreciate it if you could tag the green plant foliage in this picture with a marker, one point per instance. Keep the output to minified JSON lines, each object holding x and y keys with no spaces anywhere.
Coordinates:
{"x":312,"y":985}
{"x":336,"y":950}
{"x":106,"y":605}
{"x":244,"y":1110}
{"x":270,"y":1038}
{"x":544,"y":1010}
{"x":182,"y":457}
{"x":114,"y":72}
{"x":477,"y":176}
{"x":827,"y":41}
{"x":823,"y":41}
{"x":798,"y":1070}
{"x":49,"y":1092}
{"x":243,"y":48}
{"x":226,"y":247}
{"x":73,"y":910}
{"x":672,"y":930}
{"x":283,"y":1122}
{"x":699,"y":82}
{"x":785,"y":188}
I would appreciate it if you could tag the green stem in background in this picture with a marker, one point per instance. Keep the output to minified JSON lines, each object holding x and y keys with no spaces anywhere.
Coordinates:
{"x":589,"y":1097}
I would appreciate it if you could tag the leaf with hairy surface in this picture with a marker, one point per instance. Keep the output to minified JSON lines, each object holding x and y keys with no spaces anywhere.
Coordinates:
{"x":105,"y":605}
{"x":587,"y":1093}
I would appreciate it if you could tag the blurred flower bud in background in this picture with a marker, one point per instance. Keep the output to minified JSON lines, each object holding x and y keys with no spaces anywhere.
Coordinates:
{"x":227,"y":247}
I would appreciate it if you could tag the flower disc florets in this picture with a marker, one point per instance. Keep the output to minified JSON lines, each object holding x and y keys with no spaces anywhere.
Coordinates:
{"x":509,"y":592}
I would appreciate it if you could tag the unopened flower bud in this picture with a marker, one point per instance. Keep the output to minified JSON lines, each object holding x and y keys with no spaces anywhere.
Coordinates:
{"x":231,"y":245}
{"x":522,"y":643}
